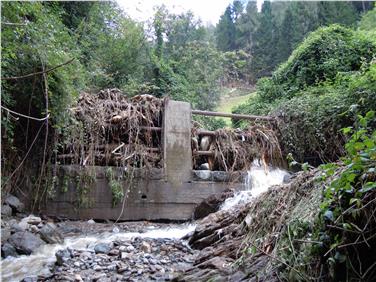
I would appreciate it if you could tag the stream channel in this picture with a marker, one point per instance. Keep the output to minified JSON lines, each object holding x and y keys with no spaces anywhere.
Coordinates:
{"x":134,"y":251}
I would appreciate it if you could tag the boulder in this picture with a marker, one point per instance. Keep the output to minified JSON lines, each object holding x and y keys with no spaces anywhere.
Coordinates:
{"x":16,"y":227}
{"x":62,"y":256}
{"x":14,"y":203}
{"x":8,"y":250}
{"x":102,"y":248}
{"x":50,"y":234}
{"x":5,"y":233}
{"x":6,"y":210}
{"x":211,"y":204}
{"x":25,"y":242}
{"x":145,"y":247}
{"x":31,"y":219}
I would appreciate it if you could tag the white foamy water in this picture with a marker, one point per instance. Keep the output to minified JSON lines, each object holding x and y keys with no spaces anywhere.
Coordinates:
{"x":258,"y":181}
{"x":15,"y":269}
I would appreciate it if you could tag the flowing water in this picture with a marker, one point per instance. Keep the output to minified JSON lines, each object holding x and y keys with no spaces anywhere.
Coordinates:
{"x":257,"y":181}
{"x":15,"y":269}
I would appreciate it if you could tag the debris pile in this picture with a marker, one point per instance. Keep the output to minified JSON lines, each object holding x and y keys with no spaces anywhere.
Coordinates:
{"x":109,"y":128}
{"x":248,"y":242}
{"x":235,"y":149}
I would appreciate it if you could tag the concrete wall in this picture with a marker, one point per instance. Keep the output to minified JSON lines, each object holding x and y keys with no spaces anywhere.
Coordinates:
{"x":177,"y":142}
{"x":151,"y":197}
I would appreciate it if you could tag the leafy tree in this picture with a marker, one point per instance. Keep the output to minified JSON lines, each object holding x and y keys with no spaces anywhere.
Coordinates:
{"x":225,"y":31}
{"x":114,"y":47}
{"x":336,"y":12}
{"x":311,"y":92}
{"x":264,"y":51}
{"x":247,"y":25}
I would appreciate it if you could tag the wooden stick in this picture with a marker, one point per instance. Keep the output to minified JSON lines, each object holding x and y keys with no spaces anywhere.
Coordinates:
{"x":117,"y":148}
{"x":238,"y":116}
{"x":203,"y":153}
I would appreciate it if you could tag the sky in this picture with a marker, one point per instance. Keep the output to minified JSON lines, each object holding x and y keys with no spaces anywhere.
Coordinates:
{"x":208,"y":10}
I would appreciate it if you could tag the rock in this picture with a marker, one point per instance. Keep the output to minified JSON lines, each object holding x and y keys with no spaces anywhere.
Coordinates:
{"x":14,"y":203}
{"x":90,"y":221}
{"x":6,"y":210}
{"x":62,"y":256}
{"x":31,"y":219}
{"x":130,"y":248}
{"x":121,"y":267}
{"x":33,"y":229}
{"x":287,"y":178}
{"x":204,"y":166}
{"x":97,"y":268}
{"x":30,"y":279}
{"x":7,"y":250}
{"x":78,"y":278}
{"x":111,"y":267}
{"x":5,"y":233}
{"x":25,"y":242}
{"x":211,"y":204}
{"x":203,"y":174}
{"x":98,"y":276}
{"x":221,"y":176}
{"x":15,"y":227}
{"x":50,"y":234}
{"x":102,"y":248}
{"x":145,"y":247}
{"x":114,"y":252}
{"x":23,"y":225}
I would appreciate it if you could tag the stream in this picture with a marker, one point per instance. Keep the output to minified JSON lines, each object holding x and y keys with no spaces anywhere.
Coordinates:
{"x":123,"y":252}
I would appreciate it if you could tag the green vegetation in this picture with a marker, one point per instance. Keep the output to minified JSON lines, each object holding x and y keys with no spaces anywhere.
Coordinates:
{"x":322,"y":92}
{"x":228,"y":102}
{"x":116,"y":187}
{"x":324,"y":99}
{"x":282,"y":24}
{"x":312,"y":92}
{"x":348,"y":204}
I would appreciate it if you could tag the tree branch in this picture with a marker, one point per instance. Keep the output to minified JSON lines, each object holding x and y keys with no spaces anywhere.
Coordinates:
{"x":40,"y":72}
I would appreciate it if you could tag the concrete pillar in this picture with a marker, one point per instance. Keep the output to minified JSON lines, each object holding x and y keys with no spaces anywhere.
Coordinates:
{"x":177,"y":142}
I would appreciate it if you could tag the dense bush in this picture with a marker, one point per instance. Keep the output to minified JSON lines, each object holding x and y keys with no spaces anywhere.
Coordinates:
{"x":325,"y":53}
{"x":333,"y":69}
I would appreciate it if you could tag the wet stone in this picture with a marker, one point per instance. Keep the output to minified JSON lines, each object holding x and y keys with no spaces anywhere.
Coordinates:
{"x":102,"y":248}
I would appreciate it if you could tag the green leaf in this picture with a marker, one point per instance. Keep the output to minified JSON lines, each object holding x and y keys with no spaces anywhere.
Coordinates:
{"x":368,"y":187}
{"x":370,"y":115}
{"x":346,"y":130}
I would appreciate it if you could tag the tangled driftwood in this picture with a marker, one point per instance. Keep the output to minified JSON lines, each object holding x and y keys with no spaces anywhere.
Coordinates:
{"x":234,"y":149}
{"x":109,"y":128}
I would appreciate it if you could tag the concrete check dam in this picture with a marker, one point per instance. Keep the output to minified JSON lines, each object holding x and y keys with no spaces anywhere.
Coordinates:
{"x":144,"y":158}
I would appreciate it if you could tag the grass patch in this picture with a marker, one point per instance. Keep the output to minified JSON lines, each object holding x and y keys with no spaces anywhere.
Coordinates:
{"x":230,"y":100}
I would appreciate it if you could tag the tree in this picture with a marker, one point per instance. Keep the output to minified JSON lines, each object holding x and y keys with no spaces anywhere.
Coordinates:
{"x":264,"y":51}
{"x":247,"y":25}
{"x":225,"y":31}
